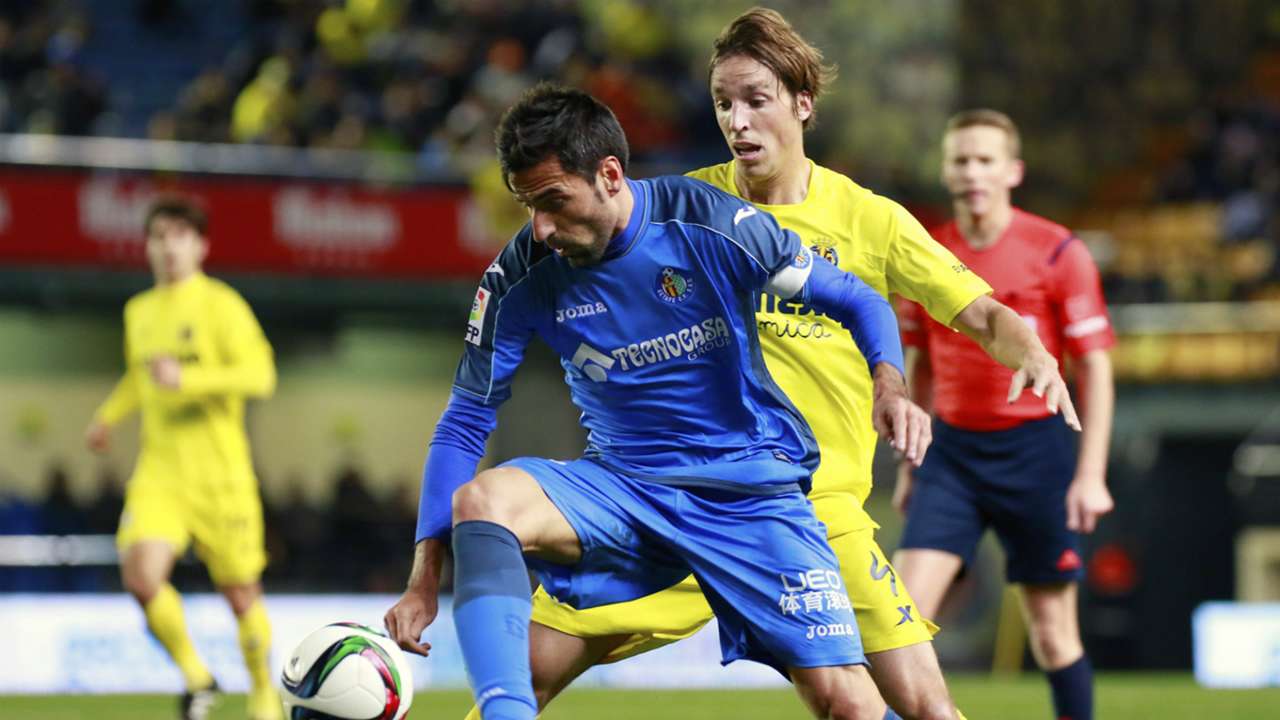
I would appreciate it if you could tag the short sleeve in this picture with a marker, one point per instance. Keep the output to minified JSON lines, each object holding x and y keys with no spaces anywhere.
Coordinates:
{"x":1082,"y":310}
{"x":922,"y":270}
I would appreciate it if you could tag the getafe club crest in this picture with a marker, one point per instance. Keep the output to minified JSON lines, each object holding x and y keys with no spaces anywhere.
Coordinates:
{"x":672,"y":286}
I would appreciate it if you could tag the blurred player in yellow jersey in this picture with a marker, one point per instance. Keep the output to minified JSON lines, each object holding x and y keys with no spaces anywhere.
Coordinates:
{"x":765,"y":79}
{"x":193,"y":352}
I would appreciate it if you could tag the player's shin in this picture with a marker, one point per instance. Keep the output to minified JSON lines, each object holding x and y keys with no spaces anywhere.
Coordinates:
{"x":491,"y":609}
{"x":1072,"y":688}
{"x":255,"y":644}
{"x":166,"y":622}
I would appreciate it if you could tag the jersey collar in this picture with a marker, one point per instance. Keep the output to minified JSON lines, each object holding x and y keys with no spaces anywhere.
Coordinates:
{"x":639,"y":220}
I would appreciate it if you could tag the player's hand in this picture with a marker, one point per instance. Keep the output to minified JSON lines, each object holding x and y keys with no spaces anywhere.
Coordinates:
{"x":902,"y":491}
{"x":406,"y":620}
{"x":1040,"y":373}
{"x":166,"y":371}
{"x":902,"y":423}
{"x":98,"y":436}
{"x":1087,"y":500}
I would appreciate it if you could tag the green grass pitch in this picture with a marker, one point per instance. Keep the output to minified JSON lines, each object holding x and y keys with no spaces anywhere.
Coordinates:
{"x":1119,"y":697}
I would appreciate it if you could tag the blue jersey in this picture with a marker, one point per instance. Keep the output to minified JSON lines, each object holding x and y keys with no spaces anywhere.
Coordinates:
{"x":659,"y":345}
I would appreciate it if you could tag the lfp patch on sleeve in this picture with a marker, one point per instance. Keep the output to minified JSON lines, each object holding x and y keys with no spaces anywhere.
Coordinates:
{"x":475,"y":323}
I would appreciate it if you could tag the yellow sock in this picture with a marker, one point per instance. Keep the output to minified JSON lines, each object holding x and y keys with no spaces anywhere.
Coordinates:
{"x":165,"y":620}
{"x":255,"y":643}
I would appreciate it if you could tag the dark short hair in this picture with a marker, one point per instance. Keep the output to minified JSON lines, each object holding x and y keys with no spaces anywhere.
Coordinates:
{"x":551,"y":120}
{"x":177,"y":208}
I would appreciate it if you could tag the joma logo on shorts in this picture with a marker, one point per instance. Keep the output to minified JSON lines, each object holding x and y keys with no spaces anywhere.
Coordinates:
{"x":816,"y":579}
{"x":832,"y":630}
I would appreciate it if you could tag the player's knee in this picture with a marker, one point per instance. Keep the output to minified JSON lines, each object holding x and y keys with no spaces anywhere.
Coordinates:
{"x":837,"y":698}
{"x":138,"y":584}
{"x":482,"y":499}
{"x":240,"y":597}
{"x":1053,"y":645}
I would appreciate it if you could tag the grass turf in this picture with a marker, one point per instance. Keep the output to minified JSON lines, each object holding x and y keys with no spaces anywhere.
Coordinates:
{"x":1119,"y":695}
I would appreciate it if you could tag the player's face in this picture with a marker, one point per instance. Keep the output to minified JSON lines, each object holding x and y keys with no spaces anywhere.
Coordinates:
{"x":571,"y":216}
{"x":978,"y":169}
{"x":174,"y":249}
{"x":762,"y":122}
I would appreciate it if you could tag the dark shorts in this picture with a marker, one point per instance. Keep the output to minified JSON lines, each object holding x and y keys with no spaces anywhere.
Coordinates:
{"x":1014,"y":481}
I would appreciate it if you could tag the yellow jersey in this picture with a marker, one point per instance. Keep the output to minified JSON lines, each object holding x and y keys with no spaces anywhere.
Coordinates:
{"x":812,"y":357}
{"x":193,"y":436}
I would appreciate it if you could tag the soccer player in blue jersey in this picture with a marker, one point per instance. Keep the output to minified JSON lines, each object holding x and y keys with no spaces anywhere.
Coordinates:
{"x":696,"y":462}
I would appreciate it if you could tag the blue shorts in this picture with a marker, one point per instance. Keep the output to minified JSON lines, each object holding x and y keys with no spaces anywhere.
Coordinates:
{"x":763,"y":561}
{"x":1014,"y":481}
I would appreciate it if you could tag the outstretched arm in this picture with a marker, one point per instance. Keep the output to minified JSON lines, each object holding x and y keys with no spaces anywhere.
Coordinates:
{"x":1012,"y":343}
{"x":455,"y":451}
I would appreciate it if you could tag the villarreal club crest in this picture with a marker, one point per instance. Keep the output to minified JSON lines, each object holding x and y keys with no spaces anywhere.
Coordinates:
{"x":826,"y":252}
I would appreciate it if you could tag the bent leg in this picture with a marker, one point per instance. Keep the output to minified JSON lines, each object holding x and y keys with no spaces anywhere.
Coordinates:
{"x":254,"y":634}
{"x":565,"y":642}
{"x":497,"y":517}
{"x":843,"y":692}
{"x":895,"y":636}
{"x":557,"y":659}
{"x":145,"y":572}
{"x":146,"y":567}
{"x":1054,"y":631}
{"x":910,"y":680}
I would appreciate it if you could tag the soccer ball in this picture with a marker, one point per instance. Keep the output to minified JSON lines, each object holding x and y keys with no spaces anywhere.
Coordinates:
{"x":347,"y":671}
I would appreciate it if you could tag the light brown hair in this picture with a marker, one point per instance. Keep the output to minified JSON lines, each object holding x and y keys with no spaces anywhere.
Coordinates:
{"x":766,"y":37}
{"x":980,"y":117}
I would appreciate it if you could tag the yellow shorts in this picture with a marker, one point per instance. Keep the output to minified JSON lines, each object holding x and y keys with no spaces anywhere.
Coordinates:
{"x":887,"y":616}
{"x":226,"y":527}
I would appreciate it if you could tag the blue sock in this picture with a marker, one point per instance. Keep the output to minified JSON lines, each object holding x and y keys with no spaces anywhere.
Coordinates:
{"x":1073,"y":690}
{"x":889,"y":714}
{"x":491,"y":609}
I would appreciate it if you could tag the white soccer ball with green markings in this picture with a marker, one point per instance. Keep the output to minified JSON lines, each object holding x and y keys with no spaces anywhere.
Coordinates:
{"x":346,"y":671}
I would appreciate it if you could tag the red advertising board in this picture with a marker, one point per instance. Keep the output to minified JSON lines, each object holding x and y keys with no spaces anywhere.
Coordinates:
{"x":76,"y":218}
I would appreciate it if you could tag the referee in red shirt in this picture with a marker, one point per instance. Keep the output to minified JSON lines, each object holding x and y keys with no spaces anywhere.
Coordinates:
{"x":999,"y":460}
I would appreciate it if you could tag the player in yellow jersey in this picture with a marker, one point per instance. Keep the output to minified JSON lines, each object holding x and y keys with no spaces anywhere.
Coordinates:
{"x":765,"y":79}
{"x":193,"y":352}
